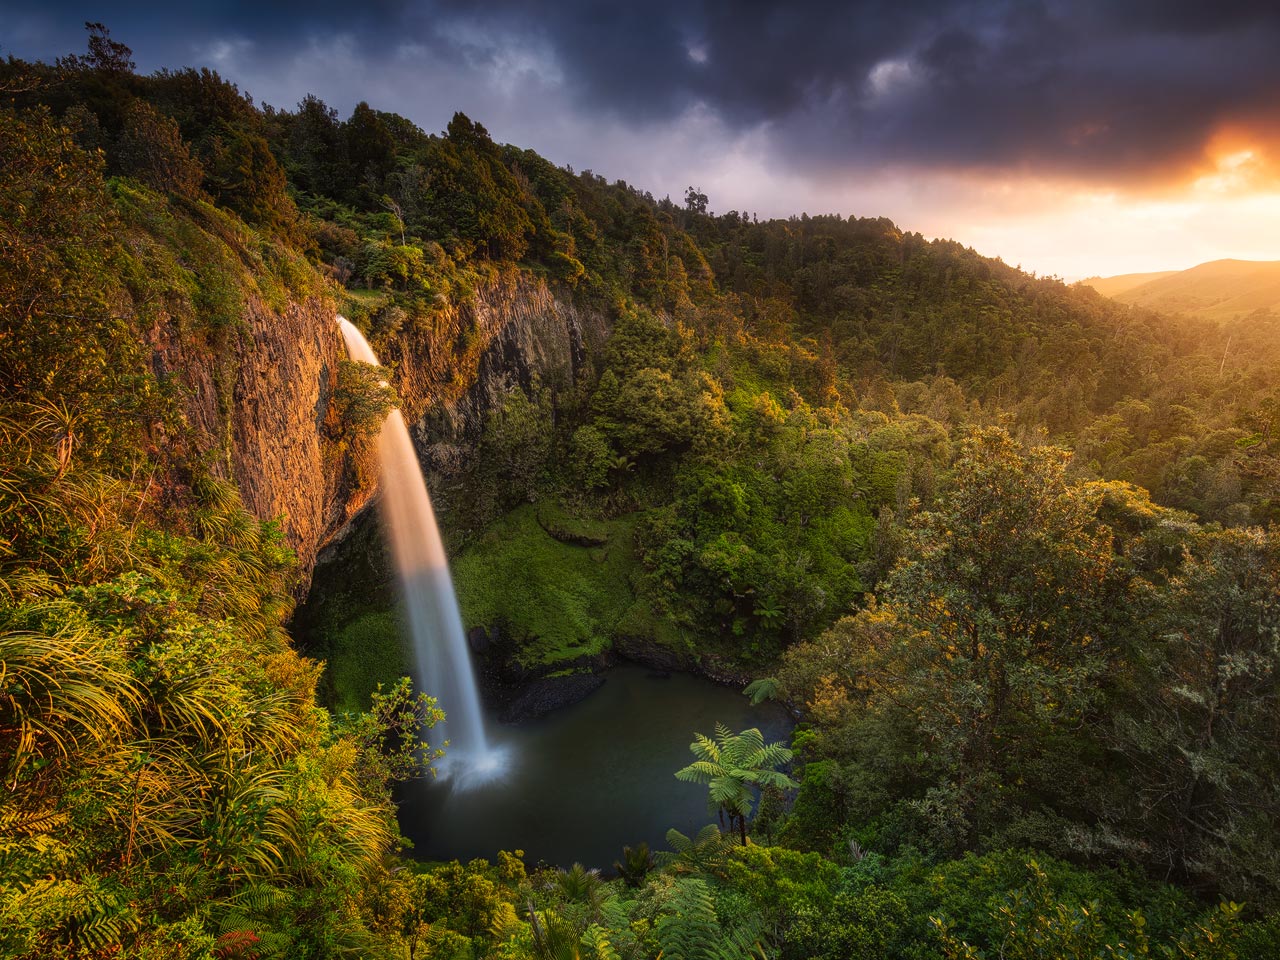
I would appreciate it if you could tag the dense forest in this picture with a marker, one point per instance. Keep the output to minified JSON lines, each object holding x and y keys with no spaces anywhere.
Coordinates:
{"x":1006,"y":547}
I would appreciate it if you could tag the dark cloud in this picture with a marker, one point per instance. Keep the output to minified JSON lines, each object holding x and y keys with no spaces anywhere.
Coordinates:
{"x":1113,"y":90}
{"x":1058,"y":89}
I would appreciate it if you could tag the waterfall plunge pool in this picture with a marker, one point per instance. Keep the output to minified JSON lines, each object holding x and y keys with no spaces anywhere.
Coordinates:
{"x":574,"y":786}
{"x":588,"y":778}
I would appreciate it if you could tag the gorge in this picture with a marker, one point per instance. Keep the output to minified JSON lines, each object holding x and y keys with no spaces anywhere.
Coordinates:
{"x":494,"y":796}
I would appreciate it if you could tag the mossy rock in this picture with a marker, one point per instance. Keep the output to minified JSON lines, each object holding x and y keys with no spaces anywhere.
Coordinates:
{"x":579,"y":532}
{"x":556,"y":599}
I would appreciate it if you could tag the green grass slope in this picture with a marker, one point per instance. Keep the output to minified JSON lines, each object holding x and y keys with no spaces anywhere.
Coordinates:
{"x":559,"y":585}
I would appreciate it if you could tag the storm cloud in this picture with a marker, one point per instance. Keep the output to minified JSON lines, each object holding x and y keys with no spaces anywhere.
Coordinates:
{"x":1107,"y":90}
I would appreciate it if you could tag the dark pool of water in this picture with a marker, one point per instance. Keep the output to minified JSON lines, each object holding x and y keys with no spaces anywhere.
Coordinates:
{"x":589,"y":778}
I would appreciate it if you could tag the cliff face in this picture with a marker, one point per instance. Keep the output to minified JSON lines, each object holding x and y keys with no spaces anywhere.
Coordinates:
{"x":259,"y":408}
{"x":258,"y":405}
{"x":283,"y":454}
{"x":449,"y":377}
{"x":514,"y":331}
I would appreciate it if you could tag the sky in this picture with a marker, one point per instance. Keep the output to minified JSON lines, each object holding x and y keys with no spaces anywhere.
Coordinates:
{"x":1081,"y":138}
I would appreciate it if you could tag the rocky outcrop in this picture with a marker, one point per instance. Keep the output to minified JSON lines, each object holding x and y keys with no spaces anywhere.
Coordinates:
{"x":450,"y":373}
{"x":546,"y":694}
{"x":257,"y":406}
{"x":257,"y":399}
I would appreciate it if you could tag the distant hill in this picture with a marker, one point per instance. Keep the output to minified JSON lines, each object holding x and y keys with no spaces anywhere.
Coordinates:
{"x":1218,"y":290}
{"x":1115,"y":286}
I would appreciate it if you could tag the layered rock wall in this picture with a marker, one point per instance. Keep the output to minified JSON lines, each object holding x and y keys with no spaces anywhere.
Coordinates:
{"x":284,"y":457}
{"x":258,"y":411}
{"x":513,"y":331}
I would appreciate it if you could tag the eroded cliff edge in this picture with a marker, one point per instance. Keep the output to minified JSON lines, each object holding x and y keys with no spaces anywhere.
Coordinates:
{"x":451,"y":376}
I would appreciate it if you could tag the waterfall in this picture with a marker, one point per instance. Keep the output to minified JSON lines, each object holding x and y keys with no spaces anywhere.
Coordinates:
{"x":442,"y":658}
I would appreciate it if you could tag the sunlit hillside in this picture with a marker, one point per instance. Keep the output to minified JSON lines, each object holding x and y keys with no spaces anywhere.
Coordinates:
{"x":1218,"y":290}
{"x":1123,"y":283}
{"x":741,"y":586}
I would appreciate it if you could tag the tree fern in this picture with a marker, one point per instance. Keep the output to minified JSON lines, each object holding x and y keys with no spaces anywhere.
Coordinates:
{"x":29,"y":823}
{"x":731,"y":766}
{"x":58,"y":917}
{"x":101,"y":925}
{"x":246,"y":924}
{"x":579,"y":885}
{"x":596,"y":939}
{"x":707,"y":852}
{"x":635,"y":864}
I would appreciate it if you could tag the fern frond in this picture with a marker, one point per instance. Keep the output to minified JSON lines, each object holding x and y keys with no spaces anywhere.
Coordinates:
{"x":765,"y":688}
{"x":688,"y":928}
{"x":596,"y":939}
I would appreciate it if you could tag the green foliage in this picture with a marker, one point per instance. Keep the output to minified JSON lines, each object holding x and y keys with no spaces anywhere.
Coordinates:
{"x":635,"y":864}
{"x":475,"y":199}
{"x":784,"y":420}
{"x":1033,"y":925}
{"x":780,"y":882}
{"x":516,"y":445}
{"x":156,"y":729}
{"x":970,"y":893}
{"x":363,"y":398}
{"x":758,"y":691}
{"x":579,"y":885}
{"x":593,"y":457}
{"x":731,"y":766}
{"x":388,"y":737}
{"x":1197,"y":724}
{"x":870,"y":923}
{"x":152,"y":150}
{"x":820,"y":812}
{"x":563,"y":600}
{"x":688,"y":928}
{"x":970,"y":681}
{"x":705,"y":853}
{"x":764,"y":546}
{"x":364,"y":652}
{"x":66,"y":345}
{"x":243,"y":175}
{"x":651,"y":399}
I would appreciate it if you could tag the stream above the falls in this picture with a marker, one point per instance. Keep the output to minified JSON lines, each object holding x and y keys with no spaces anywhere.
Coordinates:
{"x":588,"y":778}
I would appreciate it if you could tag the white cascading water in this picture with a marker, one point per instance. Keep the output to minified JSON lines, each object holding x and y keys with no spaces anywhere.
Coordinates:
{"x":440,"y":649}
